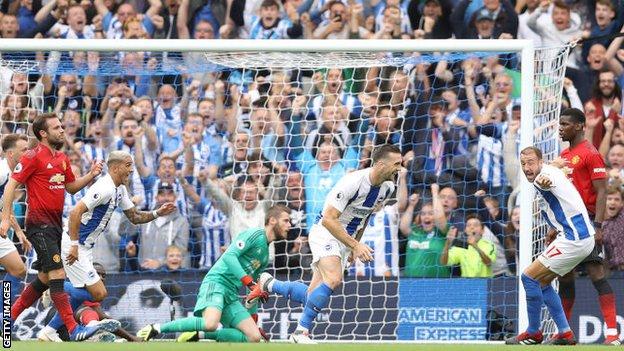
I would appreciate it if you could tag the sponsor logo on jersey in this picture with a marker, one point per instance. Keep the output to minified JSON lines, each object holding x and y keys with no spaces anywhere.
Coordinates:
{"x":57,"y":178}
{"x":95,"y":196}
{"x":91,"y":274}
{"x":340,"y":195}
{"x":18,"y":168}
{"x":255,"y":264}
{"x":576,"y":159}
{"x":600,"y":170}
{"x":328,"y":247}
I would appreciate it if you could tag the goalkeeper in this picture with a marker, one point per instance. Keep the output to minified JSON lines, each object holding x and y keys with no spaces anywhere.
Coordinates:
{"x":218,"y":301}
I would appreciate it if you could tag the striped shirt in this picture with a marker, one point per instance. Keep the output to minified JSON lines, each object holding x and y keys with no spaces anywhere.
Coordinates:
{"x":381,"y":235}
{"x":566,"y":211}
{"x":355,"y":197}
{"x":101,"y":200}
{"x":490,"y":161}
{"x":278,"y":31}
{"x":5,"y":173}
{"x":151,"y":184}
{"x":215,"y":230}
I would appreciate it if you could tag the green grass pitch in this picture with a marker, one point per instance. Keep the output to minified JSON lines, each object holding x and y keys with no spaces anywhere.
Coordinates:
{"x":172,"y":346}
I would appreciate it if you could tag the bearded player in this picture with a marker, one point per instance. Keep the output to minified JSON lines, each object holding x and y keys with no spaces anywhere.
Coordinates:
{"x":589,"y":176}
{"x":568,"y":219}
{"x":218,"y":301}
{"x":334,"y":239}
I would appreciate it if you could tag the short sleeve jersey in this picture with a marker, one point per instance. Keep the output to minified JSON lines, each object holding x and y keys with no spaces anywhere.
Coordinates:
{"x":44,"y":175}
{"x":247,"y":255}
{"x":355,"y":197}
{"x":587,"y":165}
{"x":102,"y":198}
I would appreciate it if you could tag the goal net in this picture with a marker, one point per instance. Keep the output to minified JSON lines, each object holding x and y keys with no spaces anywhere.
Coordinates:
{"x":249,"y":129}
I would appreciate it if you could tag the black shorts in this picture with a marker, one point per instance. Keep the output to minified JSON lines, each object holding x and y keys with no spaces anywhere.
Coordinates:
{"x":48,"y":248}
{"x":594,"y":257}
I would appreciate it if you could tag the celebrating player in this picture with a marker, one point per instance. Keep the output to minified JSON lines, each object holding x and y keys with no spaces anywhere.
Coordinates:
{"x":13,"y":146}
{"x":566,"y":215}
{"x":46,"y":173}
{"x":218,"y":300}
{"x":332,"y":242}
{"x":589,"y":176}
{"x":89,"y":218}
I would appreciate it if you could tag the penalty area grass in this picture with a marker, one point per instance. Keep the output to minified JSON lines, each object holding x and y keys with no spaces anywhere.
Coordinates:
{"x":173,"y":346}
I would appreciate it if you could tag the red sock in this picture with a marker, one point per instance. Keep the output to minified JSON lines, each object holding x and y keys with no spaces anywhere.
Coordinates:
{"x":26,"y":299}
{"x":567,"y":307}
{"x":607,"y":306}
{"x":61,"y":302}
{"x":88,"y":315}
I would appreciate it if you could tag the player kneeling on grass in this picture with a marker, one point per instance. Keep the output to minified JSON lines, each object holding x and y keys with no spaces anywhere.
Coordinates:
{"x":217,"y":301}
{"x":568,"y":217}
{"x":88,"y":313}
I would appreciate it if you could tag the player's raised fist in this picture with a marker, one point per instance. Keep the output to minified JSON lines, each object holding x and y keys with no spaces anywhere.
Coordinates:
{"x":166,"y":209}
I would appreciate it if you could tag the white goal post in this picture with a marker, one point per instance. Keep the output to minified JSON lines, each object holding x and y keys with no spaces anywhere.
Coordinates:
{"x":524,"y":48}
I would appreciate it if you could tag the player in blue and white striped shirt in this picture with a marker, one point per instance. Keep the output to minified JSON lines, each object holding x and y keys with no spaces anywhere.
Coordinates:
{"x":567,"y":216}
{"x":335,"y":237}
{"x":90,"y":218}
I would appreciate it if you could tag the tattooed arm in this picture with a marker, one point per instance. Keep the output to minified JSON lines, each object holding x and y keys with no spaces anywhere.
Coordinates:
{"x":138,"y":217}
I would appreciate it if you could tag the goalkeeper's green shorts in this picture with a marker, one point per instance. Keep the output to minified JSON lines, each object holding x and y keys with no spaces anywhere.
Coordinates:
{"x":215,"y":295}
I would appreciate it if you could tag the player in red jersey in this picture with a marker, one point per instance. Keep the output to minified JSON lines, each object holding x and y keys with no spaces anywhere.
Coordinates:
{"x":46,"y":173}
{"x":589,"y":176}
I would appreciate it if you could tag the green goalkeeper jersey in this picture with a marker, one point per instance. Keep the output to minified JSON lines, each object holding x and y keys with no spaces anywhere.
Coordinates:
{"x":247,"y":255}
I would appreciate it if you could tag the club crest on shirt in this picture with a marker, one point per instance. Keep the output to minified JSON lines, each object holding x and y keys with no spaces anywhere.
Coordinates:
{"x":64,"y":165}
{"x":576,"y":159}
{"x":56,"y":258}
{"x":57,"y":178}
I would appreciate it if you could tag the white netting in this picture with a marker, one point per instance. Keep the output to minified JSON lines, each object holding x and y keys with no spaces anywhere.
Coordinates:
{"x":550,"y":67}
{"x":264,"y":128}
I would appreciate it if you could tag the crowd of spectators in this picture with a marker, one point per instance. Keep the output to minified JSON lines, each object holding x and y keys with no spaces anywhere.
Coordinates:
{"x":226,"y":145}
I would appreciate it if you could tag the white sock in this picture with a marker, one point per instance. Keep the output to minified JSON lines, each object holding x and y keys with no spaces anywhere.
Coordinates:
{"x":157,"y":327}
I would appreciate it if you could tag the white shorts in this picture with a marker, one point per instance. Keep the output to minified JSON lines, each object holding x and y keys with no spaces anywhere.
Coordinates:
{"x":562,"y":255}
{"x":81,"y":273}
{"x":323,"y":244}
{"x":6,"y":246}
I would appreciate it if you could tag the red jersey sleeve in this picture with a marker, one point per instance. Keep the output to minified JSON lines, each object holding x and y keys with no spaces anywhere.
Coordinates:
{"x":596,"y":166}
{"x":25,"y":168}
{"x":69,"y":174}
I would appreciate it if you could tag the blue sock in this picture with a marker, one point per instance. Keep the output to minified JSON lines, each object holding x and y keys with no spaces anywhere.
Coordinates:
{"x":318,"y":299}
{"x":76,"y":297}
{"x":16,"y":285}
{"x":553,"y":302}
{"x":535,"y":300}
{"x":295,"y":291}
